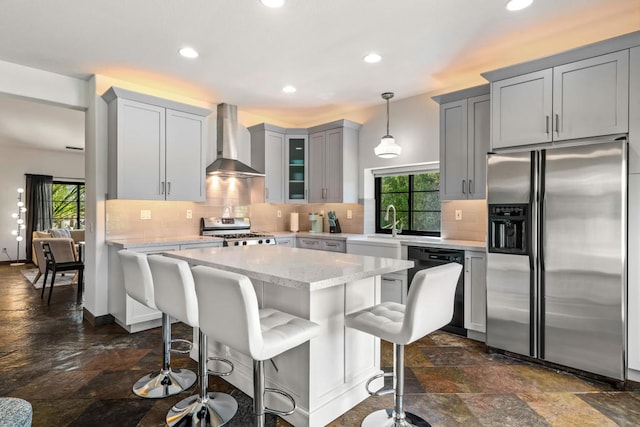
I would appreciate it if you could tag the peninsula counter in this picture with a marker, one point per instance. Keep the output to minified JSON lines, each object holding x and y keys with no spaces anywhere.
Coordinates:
{"x":327,"y":375}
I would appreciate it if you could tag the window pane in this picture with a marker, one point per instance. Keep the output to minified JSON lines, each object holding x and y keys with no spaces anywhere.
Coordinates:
{"x":426,"y":201}
{"x":427,"y":181}
{"x":426,"y":221}
{"x":395,"y":184}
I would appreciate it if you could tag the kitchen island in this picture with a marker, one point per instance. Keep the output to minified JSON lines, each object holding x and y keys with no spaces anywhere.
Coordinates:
{"x":326,"y":375}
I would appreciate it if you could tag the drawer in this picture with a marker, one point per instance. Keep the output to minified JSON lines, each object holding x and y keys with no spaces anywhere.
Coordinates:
{"x":334,"y":246}
{"x":306,"y":243}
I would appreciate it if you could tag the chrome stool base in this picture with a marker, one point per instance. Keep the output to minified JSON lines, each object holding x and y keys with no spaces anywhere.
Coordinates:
{"x":159,"y":384}
{"x":213,"y":411}
{"x":385,"y":418}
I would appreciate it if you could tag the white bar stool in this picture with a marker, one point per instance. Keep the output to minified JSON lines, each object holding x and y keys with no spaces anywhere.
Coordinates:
{"x":229,"y":298}
{"x":429,"y":307}
{"x":139,"y":285}
{"x":176,"y":295}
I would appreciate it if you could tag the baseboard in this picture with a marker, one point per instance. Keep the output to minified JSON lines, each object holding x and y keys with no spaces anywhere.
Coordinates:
{"x":97,"y":320}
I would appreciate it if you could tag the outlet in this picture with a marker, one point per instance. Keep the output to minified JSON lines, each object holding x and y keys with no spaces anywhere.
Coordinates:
{"x":458,"y":214}
{"x":145,"y":214}
{"x":279,"y":213}
{"x":349,"y":214}
{"x":189,"y":214}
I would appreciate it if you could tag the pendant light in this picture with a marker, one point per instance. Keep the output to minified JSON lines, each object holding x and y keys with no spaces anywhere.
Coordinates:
{"x":387,"y":149}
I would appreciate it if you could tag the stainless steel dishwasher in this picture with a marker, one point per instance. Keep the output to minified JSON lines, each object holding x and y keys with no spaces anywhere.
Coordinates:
{"x":425,"y":257}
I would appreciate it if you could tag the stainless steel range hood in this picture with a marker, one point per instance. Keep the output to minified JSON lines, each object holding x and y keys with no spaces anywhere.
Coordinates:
{"x":227,"y":163}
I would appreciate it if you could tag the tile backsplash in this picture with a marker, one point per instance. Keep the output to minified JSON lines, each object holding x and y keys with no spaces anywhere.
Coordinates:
{"x":472,"y":226}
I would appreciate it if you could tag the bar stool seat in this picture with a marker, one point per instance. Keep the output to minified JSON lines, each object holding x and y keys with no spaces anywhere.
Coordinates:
{"x":230,"y":299}
{"x":176,"y":295}
{"x":139,"y":285}
{"x":429,"y":307}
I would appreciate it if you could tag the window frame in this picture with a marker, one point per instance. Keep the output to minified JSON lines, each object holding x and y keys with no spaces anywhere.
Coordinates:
{"x":79,"y":218}
{"x":379,"y":209}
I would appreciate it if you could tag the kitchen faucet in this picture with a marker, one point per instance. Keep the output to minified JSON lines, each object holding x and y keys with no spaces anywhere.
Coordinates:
{"x":394,"y":230}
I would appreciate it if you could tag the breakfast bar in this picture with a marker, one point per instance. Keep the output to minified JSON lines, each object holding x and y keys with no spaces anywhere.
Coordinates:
{"x":327,"y":375}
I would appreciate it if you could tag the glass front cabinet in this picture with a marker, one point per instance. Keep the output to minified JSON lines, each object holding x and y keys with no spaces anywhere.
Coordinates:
{"x":297,"y":156}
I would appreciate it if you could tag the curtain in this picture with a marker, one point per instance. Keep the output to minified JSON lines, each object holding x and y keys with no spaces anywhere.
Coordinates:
{"x":39,"y":206}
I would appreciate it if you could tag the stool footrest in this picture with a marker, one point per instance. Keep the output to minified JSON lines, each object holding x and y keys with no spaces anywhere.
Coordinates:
{"x":187,"y":343}
{"x":282,"y":393}
{"x":381,"y":391}
{"x":222,"y":360}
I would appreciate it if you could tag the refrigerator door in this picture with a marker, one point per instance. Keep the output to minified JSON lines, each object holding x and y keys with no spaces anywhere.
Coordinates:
{"x":510,"y":277}
{"x":583,"y":214}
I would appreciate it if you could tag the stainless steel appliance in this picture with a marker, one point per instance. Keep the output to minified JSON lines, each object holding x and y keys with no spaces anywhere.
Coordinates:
{"x":425,"y":257}
{"x":234,"y":231}
{"x":556,"y":264}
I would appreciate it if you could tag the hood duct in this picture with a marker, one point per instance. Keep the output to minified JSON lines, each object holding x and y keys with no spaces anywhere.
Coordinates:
{"x":226,"y":163}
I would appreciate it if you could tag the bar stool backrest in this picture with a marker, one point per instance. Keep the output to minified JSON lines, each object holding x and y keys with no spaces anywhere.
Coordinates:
{"x":137,"y":277}
{"x":228,"y":308}
{"x":430,"y":301}
{"x":175,"y":292}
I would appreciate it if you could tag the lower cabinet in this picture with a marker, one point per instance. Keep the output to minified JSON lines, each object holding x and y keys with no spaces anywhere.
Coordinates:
{"x":331,"y":245}
{"x":288,"y":241}
{"x":475,"y":291}
{"x":128,"y":313}
{"x":394,"y":288}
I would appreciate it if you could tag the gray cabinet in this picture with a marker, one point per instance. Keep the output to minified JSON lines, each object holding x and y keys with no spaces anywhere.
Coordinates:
{"x":475,"y":291}
{"x":268,"y":157}
{"x":464,"y":143}
{"x":296,"y":167}
{"x":322,"y":244}
{"x":156,"y":148}
{"x":288,"y":241}
{"x":574,"y":100}
{"x":333,"y":155}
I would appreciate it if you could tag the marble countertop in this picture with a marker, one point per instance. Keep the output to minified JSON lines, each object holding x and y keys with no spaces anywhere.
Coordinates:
{"x":142,"y":242}
{"x":292,"y":267}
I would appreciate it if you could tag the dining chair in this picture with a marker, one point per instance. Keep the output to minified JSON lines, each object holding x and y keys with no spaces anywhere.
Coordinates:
{"x":61,"y":256}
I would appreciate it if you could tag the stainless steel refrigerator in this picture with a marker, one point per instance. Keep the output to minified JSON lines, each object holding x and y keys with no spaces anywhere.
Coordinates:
{"x":556,"y":262}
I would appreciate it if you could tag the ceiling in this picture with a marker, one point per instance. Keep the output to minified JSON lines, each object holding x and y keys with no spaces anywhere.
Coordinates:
{"x":249,"y":52}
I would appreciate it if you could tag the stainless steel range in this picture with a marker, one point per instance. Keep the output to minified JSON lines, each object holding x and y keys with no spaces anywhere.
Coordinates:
{"x":234,"y":231}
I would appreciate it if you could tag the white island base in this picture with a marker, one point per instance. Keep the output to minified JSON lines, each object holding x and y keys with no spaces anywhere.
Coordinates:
{"x":326,"y":375}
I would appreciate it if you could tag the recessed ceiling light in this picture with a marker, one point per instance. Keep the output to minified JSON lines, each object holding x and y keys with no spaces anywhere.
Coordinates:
{"x":189,"y":52}
{"x":514,"y":5}
{"x":372,"y":58}
{"x":289,"y":89}
{"x":272,"y":3}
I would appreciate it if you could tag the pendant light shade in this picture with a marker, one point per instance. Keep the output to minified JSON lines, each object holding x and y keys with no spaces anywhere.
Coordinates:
{"x":387,"y":149}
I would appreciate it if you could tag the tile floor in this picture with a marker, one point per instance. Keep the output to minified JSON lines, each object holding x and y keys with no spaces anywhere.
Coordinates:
{"x":78,"y":375}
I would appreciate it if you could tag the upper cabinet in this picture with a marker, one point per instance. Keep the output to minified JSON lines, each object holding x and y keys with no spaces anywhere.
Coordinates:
{"x":315,"y":165}
{"x":156,"y":148}
{"x":464,"y":143}
{"x":570,"y":100}
{"x":333,"y":157}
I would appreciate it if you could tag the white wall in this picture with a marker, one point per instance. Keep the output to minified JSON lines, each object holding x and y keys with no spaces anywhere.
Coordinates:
{"x":14,"y":164}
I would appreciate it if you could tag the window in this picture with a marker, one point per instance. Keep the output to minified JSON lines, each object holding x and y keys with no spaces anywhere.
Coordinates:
{"x":68,"y":204}
{"x":416,"y":198}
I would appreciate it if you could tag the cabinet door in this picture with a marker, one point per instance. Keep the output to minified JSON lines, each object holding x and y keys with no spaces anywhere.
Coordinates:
{"x":478,"y":141}
{"x":296,"y":169}
{"x":521,"y":109}
{"x":140,"y":159}
{"x":185,"y":157}
{"x":333,"y":166}
{"x":316,"y":167}
{"x":274,"y":167}
{"x":453,"y":150}
{"x":475,"y":291}
{"x":591,"y":97}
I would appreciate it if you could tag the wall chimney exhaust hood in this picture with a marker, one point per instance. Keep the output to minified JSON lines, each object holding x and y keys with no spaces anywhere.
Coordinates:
{"x":227,"y":163}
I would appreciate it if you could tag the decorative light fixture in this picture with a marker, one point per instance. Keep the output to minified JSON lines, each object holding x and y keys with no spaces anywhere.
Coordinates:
{"x":387,"y":149}
{"x":289,"y":89}
{"x":19,"y":225}
{"x":513,"y":5}
{"x":272,"y":3}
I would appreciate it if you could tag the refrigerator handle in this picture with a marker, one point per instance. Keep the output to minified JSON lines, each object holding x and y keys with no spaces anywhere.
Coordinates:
{"x":541,"y":255}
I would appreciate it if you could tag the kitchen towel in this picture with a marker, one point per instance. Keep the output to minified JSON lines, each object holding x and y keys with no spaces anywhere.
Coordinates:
{"x":294,"y":224}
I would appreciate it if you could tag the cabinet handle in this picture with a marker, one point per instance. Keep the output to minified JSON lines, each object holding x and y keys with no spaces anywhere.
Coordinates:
{"x":324,"y":193}
{"x":471,"y":187}
{"x":162,"y":187}
{"x":558,"y":124}
{"x":467,"y":261}
{"x":168,"y":187}
{"x":547,"y":124}
{"x":266,"y":193}
{"x":463,"y":184}
{"x":332,"y":245}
